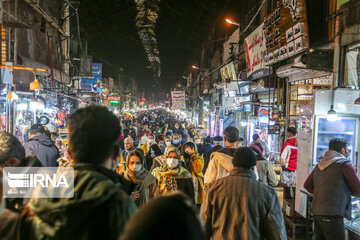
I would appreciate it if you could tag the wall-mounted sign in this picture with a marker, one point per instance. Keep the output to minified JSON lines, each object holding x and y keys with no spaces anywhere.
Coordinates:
{"x":255,"y":49}
{"x":88,"y":82}
{"x":178,"y":99}
{"x":228,"y":73}
{"x":286,"y":31}
{"x":115,"y":98}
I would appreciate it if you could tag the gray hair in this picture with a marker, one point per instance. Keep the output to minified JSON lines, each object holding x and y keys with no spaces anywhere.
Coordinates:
{"x":10,"y":146}
{"x":129,"y":139}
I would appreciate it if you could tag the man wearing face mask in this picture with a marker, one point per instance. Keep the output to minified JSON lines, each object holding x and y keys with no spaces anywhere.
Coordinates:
{"x":150,"y":141}
{"x":146,"y":184}
{"x":162,"y":145}
{"x":177,"y":142}
{"x":172,"y":176}
{"x":333,"y":181}
{"x":98,"y":191}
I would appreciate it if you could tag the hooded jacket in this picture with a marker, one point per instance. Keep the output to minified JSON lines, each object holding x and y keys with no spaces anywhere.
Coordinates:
{"x":219,"y":166}
{"x":44,"y":149}
{"x":100,"y":207}
{"x":332,"y":182}
{"x":195,"y":164}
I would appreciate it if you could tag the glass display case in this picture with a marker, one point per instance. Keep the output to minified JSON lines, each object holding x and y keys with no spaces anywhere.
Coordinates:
{"x":354,"y":223}
{"x":344,"y":127}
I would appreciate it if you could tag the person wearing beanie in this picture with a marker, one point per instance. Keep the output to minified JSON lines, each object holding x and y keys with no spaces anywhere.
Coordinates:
{"x":265,"y":170}
{"x":244,"y":208}
{"x":218,"y":142}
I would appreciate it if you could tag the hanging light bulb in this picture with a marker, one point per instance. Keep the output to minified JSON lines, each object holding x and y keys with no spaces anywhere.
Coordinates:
{"x":12,"y":95}
{"x":331,"y":115}
{"x":35,"y":85}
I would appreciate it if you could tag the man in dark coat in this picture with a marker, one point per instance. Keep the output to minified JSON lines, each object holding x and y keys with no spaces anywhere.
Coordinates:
{"x":218,"y":141}
{"x":41,"y":146}
{"x":244,"y":208}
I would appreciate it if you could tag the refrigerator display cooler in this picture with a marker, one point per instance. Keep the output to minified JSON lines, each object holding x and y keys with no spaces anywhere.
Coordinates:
{"x":315,"y":132}
{"x":354,"y":224}
{"x":345,"y":128}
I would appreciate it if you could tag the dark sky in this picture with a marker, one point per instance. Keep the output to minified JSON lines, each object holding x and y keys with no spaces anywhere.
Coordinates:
{"x":180,"y":29}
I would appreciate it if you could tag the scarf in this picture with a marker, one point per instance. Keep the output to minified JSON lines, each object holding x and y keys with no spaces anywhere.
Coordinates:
{"x":167,"y":177}
{"x":136,"y":177}
{"x":143,"y":179}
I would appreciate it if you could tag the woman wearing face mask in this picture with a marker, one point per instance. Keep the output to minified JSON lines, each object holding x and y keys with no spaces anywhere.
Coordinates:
{"x":173,"y":176}
{"x":146,"y":184}
{"x":154,"y":152}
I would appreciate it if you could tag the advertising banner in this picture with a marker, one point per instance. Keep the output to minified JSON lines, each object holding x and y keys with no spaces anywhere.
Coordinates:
{"x":255,"y":48}
{"x":228,"y":73}
{"x":178,"y":99}
{"x":87,"y":82}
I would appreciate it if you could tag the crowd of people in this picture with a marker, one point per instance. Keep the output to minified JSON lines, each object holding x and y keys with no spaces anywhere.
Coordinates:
{"x":150,"y":176}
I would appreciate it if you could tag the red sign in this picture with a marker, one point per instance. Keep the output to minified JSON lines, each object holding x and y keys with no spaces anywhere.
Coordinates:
{"x":113,"y":98}
{"x":264,"y":111}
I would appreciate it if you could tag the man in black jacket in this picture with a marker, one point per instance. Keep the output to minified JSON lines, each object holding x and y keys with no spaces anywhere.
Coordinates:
{"x":41,"y":146}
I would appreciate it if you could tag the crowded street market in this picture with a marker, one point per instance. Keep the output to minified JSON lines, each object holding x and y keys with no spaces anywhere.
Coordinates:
{"x":192,"y":119}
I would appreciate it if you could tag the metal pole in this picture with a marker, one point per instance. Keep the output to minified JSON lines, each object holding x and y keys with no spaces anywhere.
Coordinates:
{"x":15,"y":33}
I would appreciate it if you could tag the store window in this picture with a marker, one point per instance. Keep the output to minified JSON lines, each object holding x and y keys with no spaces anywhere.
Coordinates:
{"x":352,"y":66}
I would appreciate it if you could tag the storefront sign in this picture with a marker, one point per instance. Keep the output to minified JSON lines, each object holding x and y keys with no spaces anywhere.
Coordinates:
{"x":110,"y":98}
{"x":228,"y":73}
{"x":255,"y":48}
{"x":286,"y":31}
{"x":178,"y":99}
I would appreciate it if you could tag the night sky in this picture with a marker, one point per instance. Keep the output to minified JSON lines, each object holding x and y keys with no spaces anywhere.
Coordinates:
{"x":181,"y":27}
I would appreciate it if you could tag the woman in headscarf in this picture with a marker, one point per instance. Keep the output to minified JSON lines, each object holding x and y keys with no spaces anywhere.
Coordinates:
{"x":264,"y":168}
{"x":146,"y":184}
{"x":173,"y":176}
{"x":194,"y":163}
{"x":154,"y":152}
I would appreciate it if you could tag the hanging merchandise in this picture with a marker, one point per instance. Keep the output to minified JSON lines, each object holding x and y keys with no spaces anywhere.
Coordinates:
{"x":61,"y":114}
{"x":275,"y":115}
{"x":60,"y":123}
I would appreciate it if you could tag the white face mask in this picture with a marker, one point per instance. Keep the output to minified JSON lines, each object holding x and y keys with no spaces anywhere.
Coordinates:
{"x":172,"y":162}
{"x":151,"y":141}
{"x":137,"y":167}
{"x":167,"y":143}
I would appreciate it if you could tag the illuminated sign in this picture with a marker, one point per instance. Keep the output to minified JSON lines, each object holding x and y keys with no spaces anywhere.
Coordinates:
{"x":113,"y":98}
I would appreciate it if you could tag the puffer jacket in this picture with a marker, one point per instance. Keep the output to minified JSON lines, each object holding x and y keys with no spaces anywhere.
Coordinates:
{"x":44,"y":149}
